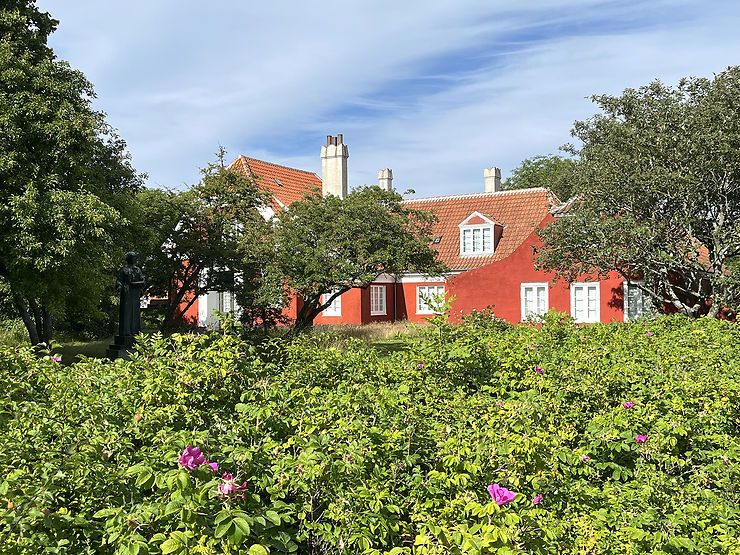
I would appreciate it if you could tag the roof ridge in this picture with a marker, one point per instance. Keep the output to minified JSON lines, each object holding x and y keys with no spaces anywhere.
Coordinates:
{"x":247,"y":158}
{"x":476,"y":195}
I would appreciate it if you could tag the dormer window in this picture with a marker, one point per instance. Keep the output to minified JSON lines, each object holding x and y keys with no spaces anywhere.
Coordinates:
{"x":477,"y":235}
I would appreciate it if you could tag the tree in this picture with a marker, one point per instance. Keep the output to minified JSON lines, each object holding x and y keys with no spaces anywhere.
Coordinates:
{"x":551,"y":171}
{"x":63,"y":174}
{"x":326,"y":246}
{"x":659,"y":186}
{"x":211,"y":237}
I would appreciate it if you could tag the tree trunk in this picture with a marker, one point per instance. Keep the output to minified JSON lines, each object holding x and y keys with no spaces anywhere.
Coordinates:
{"x":33,"y":333}
{"x":37,"y":319}
{"x":304,"y":319}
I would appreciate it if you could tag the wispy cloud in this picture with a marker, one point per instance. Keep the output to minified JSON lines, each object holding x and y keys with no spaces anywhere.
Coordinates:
{"x":434,"y":90}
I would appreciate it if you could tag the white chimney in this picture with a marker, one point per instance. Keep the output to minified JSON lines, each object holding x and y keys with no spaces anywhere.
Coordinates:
{"x":385,"y":179}
{"x":492,"y":178}
{"x":334,"y":167}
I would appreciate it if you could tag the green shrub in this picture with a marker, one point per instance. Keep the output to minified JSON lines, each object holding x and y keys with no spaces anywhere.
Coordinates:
{"x":12,"y":332}
{"x":340,"y":450}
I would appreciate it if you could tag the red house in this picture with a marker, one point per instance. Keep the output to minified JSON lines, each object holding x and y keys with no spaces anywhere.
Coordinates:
{"x":485,"y":238}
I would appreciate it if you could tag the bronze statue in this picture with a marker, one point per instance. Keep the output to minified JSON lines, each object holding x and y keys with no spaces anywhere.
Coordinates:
{"x":130,"y":283}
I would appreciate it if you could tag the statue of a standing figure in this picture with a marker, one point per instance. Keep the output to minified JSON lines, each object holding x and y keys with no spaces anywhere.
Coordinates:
{"x":130,"y":283}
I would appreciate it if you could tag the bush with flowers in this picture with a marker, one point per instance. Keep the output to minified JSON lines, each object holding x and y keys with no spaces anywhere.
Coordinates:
{"x":478,"y":438}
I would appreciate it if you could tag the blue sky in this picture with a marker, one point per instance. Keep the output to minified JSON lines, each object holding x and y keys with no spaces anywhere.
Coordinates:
{"x":435,"y":90}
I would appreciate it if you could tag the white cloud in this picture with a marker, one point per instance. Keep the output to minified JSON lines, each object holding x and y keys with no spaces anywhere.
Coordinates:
{"x":177,"y":78}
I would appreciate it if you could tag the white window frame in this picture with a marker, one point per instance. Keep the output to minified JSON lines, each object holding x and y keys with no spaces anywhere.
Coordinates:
{"x":625,"y":285}
{"x":378,"y":306}
{"x":226,"y":302}
{"x":535,"y":285}
{"x":587,"y":285}
{"x":419,"y":301}
{"x":335,"y":308}
{"x":474,"y":252}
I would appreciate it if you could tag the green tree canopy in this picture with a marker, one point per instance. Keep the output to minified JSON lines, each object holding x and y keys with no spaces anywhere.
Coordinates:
{"x":326,"y":246}
{"x":551,"y":171}
{"x":63,"y":175}
{"x":210,"y":237}
{"x":659,"y":183}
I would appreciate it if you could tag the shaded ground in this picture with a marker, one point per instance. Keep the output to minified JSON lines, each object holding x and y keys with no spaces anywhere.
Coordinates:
{"x":70,"y":350}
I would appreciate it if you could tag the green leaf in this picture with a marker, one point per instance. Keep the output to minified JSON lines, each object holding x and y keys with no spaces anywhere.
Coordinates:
{"x":273,"y":517}
{"x":223,"y":528}
{"x":171,"y":546}
{"x":258,"y":549}
{"x":103,"y":513}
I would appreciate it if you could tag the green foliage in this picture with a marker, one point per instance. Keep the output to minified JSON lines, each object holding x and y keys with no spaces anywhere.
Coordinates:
{"x":210,"y":237}
{"x":327,"y":245}
{"x":65,"y":176}
{"x":344,"y":451}
{"x":659,"y":179}
{"x":551,"y":171}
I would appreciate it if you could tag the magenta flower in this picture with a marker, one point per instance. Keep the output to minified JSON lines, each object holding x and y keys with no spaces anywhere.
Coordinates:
{"x":585,"y":458}
{"x":628,"y":405}
{"x":192,"y":458}
{"x":56,"y":358}
{"x":499,"y":404}
{"x":539,"y":370}
{"x":500,"y":495}
{"x":640,"y":439}
{"x":229,"y":488}
{"x":683,"y":357}
{"x":648,"y":334}
{"x":420,"y":365}
{"x":537,"y":499}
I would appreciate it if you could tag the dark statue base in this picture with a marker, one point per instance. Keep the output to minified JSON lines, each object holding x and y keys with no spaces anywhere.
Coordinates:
{"x":121,"y":348}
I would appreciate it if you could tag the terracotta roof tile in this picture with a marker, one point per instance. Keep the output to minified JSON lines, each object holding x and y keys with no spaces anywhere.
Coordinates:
{"x":519,"y":211}
{"x":287,"y":185}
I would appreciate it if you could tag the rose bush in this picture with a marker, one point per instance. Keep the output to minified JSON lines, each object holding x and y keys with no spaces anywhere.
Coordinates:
{"x":212,"y":444}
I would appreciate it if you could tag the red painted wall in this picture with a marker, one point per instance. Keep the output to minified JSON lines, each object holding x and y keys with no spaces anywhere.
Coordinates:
{"x":499,"y":284}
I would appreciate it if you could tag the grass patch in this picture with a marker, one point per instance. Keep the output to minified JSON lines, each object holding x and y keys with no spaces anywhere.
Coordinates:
{"x":96,"y":349}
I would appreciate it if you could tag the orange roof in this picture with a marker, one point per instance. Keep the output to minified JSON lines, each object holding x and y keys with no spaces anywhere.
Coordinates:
{"x":287,"y":185}
{"x":519,"y":211}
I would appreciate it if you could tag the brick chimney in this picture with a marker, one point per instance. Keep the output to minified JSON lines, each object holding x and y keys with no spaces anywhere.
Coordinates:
{"x":492,"y":178}
{"x":385,"y":179}
{"x":334,"y":166}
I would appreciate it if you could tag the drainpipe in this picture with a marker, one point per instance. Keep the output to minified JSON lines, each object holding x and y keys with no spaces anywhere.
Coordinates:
{"x":395,"y":296}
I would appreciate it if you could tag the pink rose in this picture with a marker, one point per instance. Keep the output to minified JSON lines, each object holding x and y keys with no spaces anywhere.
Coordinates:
{"x":628,"y":405}
{"x":539,"y":370}
{"x":585,"y":458}
{"x":641,"y":438}
{"x":229,"y":488}
{"x":537,"y":499}
{"x":500,"y":495}
{"x":192,"y":458}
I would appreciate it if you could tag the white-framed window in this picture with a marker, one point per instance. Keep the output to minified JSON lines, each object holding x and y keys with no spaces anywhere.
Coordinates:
{"x":636,"y":302}
{"x":534,"y":297}
{"x":377,"y":300}
{"x":585,"y":301}
{"x":476,"y":240}
{"x":225,"y":302}
{"x":425,"y":293}
{"x":335,"y":308}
